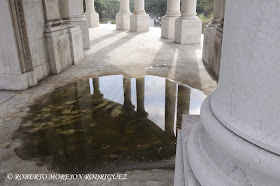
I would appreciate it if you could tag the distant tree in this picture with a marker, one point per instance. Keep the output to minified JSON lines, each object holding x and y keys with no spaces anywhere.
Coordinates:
{"x":107,"y":9}
{"x":205,"y":7}
{"x":156,"y":8}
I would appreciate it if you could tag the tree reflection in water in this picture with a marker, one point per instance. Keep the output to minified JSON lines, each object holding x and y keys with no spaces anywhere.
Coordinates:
{"x":107,"y":121}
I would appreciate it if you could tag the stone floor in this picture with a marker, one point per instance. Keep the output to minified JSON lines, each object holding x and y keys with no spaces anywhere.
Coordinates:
{"x":112,"y":52}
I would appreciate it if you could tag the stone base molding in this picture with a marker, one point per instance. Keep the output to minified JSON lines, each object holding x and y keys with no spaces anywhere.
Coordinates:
{"x":168,"y":27}
{"x":139,"y":23}
{"x":123,"y":21}
{"x":188,"y":30}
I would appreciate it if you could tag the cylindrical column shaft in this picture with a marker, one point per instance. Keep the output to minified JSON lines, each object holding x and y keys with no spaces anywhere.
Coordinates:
{"x":139,"y":7}
{"x":124,"y":6}
{"x":71,"y":8}
{"x":173,"y":8}
{"x":219,"y":6}
{"x":188,"y":8}
{"x":90,"y":6}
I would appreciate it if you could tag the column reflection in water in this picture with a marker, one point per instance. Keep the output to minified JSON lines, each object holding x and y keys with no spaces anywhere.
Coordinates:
{"x":170,"y":106}
{"x":183,"y":103}
{"x":127,"y":93}
{"x":140,"y":92}
{"x":96,"y":93}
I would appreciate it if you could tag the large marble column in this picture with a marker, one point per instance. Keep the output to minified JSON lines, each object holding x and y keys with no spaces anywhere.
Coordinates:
{"x":237,"y":141}
{"x":209,"y":32}
{"x":123,"y":17}
{"x":91,"y":15}
{"x":168,"y":21}
{"x":188,"y":27}
{"x":72,"y":12}
{"x":139,"y":20}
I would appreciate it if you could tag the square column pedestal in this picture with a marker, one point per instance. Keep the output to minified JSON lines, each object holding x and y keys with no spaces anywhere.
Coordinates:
{"x":168,"y":27}
{"x":218,"y":39}
{"x":76,"y":43}
{"x":139,"y":23}
{"x":188,"y":31}
{"x":58,"y":48}
{"x":208,"y":45}
{"x":83,"y":24}
{"x":123,"y":21}
{"x":93,"y":19}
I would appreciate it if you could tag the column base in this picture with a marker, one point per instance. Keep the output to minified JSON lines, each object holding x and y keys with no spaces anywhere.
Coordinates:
{"x":123,"y":21}
{"x":168,"y":27}
{"x":93,"y":19}
{"x":58,"y":48}
{"x":208,"y":45}
{"x":83,"y":24}
{"x":217,"y":50}
{"x":219,"y":157}
{"x":23,"y":81}
{"x":76,"y":44}
{"x":188,"y":31}
{"x":139,"y":23}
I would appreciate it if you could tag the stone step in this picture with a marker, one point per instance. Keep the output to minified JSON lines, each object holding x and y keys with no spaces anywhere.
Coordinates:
{"x":183,"y":173}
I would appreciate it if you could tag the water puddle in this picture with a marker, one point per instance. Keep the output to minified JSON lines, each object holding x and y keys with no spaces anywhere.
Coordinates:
{"x":105,"y":123}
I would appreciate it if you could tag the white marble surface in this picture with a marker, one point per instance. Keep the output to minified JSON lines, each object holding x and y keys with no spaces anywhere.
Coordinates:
{"x":247,"y":99}
{"x":123,"y":21}
{"x":188,"y":31}
{"x":76,"y":44}
{"x":139,"y":23}
{"x":168,"y":27}
{"x":208,"y":45}
{"x":58,"y":46}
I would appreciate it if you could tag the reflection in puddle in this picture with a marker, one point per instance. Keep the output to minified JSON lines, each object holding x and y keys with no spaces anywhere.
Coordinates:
{"x":103,"y":123}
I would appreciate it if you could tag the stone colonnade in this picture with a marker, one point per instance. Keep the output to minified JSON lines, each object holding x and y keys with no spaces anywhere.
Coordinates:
{"x":237,"y":141}
{"x":213,"y":36}
{"x":138,"y":21}
{"x":183,"y":28}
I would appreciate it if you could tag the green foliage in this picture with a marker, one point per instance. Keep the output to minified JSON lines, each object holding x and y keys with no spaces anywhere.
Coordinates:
{"x":107,"y":9}
{"x":205,"y":7}
{"x":155,"y":8}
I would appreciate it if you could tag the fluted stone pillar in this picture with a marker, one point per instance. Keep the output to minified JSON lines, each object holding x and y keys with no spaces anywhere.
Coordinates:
{"x":123,"y":17}
{"x":91,"y":15}
{"x":188,"y":27}
{"x":209,"y":32}
{"x":237,"y":141}
{"x":139,"y":20}
{"x":72,"y":12}
{"x":168,"y":21}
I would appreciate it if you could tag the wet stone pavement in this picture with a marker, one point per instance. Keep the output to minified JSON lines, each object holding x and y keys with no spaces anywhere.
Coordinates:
{"x":107,"y":124}
{"x":112,"y":52}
